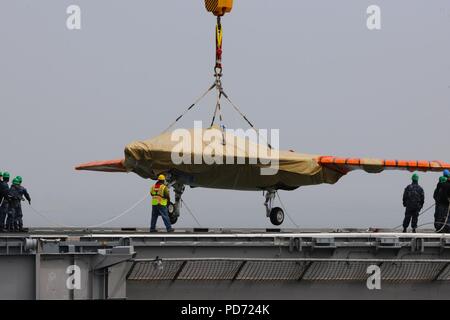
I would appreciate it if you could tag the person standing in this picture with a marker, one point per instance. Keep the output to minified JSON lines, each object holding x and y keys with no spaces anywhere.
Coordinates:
{"x":443,"y":201}
{"x":446,"y":174}
{"x":4,"y":191}
{"x":440,"y":211}
{"x":160,"y":198}
{"x":413,"y":200}
{"x":17,"y":193}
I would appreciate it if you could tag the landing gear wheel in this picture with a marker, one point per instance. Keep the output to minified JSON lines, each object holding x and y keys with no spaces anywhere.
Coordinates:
{"x":173,"y":219}
{"x":276,"y":216}
{"x":171,"y":209}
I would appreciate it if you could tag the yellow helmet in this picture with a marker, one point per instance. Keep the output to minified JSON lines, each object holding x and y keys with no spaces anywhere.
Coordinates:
{"x":161,"y":177}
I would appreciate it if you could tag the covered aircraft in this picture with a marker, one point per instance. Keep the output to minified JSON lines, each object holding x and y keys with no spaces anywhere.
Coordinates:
{"x":240,"y":168}
{"x":232,"y":163}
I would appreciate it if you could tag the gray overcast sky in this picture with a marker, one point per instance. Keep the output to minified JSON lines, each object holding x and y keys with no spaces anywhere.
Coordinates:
{"x":310,"y":68}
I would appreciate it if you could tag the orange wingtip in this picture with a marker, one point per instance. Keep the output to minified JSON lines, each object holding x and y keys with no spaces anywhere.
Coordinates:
{"x":105,"y":166}
{"x":348,"y":164}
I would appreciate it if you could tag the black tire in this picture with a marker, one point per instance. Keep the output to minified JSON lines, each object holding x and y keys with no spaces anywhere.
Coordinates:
{"x":171,"y":210}
{"x":173,"y":219}
{"x":276,"y":216}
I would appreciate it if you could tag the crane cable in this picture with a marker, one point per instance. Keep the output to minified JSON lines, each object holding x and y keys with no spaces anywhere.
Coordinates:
{"x":244,"y":117}
{"x":218,"y":85}
{"x":217,"y":74}
{"x":219,"y":41}
{"x":190,"y":107}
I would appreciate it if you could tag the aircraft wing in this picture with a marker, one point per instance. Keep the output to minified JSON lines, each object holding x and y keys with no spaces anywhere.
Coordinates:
{"x":105,"y":166}
{"x":345,"y":165}
{"x":150,"y":157}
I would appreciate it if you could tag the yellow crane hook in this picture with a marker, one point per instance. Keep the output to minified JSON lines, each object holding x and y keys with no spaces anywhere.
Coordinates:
{"x":219,"y":7}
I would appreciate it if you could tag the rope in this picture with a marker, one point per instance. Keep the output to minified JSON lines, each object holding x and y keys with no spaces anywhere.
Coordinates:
{"x":243,"y":116}
{"x":423,"y":212}
{"x":284,"y":208}
{"x":92,"y":226}
{"x":190,"y":212}
{"x":48,"y":219}
{"x":218,"y":111}
{"x":190,"y":107}
{"x":121,"y":214}
{"x":446,"y":220}
{"x":430,"y":223}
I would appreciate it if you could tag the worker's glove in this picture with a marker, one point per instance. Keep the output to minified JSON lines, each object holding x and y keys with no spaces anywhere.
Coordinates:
{"x":29,"y":202}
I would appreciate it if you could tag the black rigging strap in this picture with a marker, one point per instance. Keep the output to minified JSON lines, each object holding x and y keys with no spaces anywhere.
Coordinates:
{"x":220,"y":92}
{"x":190,"y":107}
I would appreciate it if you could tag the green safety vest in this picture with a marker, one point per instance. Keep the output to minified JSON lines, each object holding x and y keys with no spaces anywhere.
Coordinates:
{"x":157,"y":194}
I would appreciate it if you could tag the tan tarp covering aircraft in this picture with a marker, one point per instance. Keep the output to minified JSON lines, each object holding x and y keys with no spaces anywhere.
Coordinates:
{"x":154,"y":156}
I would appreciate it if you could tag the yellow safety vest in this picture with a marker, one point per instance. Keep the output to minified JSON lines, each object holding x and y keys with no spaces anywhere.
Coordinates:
{"x":157,"y":194}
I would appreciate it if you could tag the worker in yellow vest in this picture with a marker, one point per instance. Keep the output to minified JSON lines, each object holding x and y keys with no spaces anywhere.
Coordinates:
{"x":160,"y":198}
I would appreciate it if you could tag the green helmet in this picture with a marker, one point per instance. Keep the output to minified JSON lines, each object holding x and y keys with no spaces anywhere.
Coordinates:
{"x":442,"y":179}
{"x":19,"y":178}
{"x":6,"y":175}
{"x":415,"y":177}
{"x":16,"y":181}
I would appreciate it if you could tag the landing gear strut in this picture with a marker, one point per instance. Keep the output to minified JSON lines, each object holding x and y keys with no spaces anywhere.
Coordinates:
{"x":174,"y":208}
{"x":275,"y":214}
{"x":171,"y":209}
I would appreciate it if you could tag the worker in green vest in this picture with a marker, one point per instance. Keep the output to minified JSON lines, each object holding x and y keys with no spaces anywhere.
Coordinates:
{"x":160,"y":198}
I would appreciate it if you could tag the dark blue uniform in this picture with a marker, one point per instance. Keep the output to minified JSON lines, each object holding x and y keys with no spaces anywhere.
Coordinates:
{"x":4,"y":190}
{"x":413,"y":200}
{"x":443,"y":202}
{"x":440,"y":212}
{"x":16,"y":195}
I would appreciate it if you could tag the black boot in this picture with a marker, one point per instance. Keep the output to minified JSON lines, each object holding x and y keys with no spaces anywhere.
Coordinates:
{"x":414,"y":231}
{"x":404,"y":230}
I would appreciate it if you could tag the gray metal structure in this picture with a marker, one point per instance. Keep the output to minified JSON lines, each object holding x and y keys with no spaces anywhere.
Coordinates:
{"x":222,"y":264}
